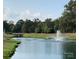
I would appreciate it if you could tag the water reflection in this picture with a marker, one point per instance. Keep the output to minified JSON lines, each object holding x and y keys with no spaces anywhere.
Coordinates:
{"x":49,"y":49}
{"x":44,"y":49}
{"x":69,"y":50}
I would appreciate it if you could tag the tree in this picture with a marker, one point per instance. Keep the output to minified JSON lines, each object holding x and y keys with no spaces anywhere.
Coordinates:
{"x":28,"y":26}
{"x":5,"y":26}
{"x":55,"y":25}
{"x":45,"y":28}
{"x":38,"y":29}
{"x":36,"y":22}
{"x":68,"y":20}
{"x":50,"y":25}
{"x":48,"y":22}
{"x":18,"y":26}
{"x":11,"y":26}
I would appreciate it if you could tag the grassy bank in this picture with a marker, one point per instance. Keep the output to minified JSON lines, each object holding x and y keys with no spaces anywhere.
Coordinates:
{"x":35,"y":35}
{"x":9,"y":47}
{"x":45,"y":36}
{"x":70,"y":35}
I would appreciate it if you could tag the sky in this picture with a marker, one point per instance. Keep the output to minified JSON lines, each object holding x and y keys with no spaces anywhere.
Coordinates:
{"x":30,"y":9}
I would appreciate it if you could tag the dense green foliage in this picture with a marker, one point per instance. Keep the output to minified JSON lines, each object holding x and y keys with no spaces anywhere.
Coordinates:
{"x":65,"y":23}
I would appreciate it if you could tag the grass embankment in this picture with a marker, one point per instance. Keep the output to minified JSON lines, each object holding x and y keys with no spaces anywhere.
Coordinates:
{"x":9,"y":46}
{"x":70,"y":35}
{"x":35,"y":35}
{"x":45,"y":36}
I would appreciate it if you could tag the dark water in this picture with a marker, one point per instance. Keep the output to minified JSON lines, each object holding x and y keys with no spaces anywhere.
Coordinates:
{"x":31,"y":48}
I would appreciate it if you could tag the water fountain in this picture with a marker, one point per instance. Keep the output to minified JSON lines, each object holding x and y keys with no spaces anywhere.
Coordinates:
{"x":59,"y":36}
{"x":56,"y":48}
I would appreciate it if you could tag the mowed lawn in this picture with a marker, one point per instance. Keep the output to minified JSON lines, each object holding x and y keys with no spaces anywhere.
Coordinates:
{"x":70,"y":35}
{"x":45,"y":36}
{"x":9,"y":47}
{"x":35,"y":35}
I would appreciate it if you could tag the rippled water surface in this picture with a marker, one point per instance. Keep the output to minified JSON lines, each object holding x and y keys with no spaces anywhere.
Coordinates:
{"x":31,"y":48}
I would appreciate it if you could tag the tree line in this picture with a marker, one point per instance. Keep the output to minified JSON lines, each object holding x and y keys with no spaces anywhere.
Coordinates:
{"x":65,"y":23}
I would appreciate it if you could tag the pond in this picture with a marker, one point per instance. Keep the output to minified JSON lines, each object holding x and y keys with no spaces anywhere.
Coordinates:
{"x":32,"y":48}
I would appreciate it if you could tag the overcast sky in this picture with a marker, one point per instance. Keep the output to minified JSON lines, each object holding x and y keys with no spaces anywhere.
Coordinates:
{"x":22,"y":9}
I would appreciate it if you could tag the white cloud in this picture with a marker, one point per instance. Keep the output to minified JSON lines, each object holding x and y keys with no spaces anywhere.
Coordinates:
{"x":37,"y":14}
{"x":6,"y":13}
{"x":27,"y":14}
{"x":31,"y":15}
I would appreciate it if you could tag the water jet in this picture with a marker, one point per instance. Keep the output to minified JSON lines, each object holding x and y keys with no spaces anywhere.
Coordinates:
{"x":58,"y":36}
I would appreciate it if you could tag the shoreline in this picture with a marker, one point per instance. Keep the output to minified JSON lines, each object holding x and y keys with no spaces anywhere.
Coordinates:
{"x":70,"y":36}
{"x":10,"y":44}
{"x":10,"y":48}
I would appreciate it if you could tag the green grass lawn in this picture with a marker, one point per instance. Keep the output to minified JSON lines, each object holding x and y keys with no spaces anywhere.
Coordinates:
{"x":35,"y":35}
{"x":70,"y":35}
{"x":45,"y":36}
{"x":9,"y":47}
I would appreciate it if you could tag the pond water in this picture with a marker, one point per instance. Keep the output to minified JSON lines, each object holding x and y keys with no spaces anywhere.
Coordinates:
{"x":31,"y":48}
